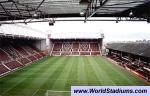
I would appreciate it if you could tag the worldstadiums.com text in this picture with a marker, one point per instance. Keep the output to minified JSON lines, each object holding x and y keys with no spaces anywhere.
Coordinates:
{"x":108,"y":90}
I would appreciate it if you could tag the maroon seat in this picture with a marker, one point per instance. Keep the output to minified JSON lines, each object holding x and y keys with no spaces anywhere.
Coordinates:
{"x":32,"y":58}
{"x":22,"y":51}
{"x":38,"y":56}
{"x":84,"y":53}
{"x":3,"y":69}
{"x":94,"y":46}
{"x":24,"y":61}
{"x":13,"y":64}
{"x":3,"y":56}
{"x":57,"y":47}
{"x":95,"y":53}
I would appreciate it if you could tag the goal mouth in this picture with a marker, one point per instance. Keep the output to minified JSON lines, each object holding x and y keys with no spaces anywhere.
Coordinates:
{"x":57,"y":93}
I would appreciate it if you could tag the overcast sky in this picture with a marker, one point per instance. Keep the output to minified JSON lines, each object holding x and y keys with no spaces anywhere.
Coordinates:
{"x":122,"y":31}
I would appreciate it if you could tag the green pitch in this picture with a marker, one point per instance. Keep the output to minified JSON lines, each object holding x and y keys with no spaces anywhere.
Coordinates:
{"x":58,"y":74}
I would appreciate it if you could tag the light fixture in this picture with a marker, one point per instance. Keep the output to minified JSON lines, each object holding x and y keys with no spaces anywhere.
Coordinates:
{"x":51,"y":22}
{"x":35,"y":15}
{"x":131,"y":14}
{"x":82,"y":13}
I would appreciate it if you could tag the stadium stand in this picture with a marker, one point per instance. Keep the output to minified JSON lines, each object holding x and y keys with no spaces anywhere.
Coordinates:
{"x":134,"y":48}
{"x":75,"y":47}
{"x":4,"y":56}
{"x":13,"y":65}
{"x":94,"y":47}
{"x":32,"y":58}
{"x":15,"y":54}
{"x":132,"y":56}
{"x":3,"y":69}
{"x":24,"y":61}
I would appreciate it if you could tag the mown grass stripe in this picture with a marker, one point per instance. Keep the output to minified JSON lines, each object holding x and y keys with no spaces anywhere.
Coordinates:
{"x":92,"y":79}
{"x":60,"y":82}
{"x":100,"y":73}
{"x":72,"y":78}
{"x":81,"y":76}
{"x":48,"y":85}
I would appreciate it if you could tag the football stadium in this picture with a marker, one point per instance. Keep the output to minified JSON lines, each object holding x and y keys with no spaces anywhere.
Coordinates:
{"x":37,"y":62}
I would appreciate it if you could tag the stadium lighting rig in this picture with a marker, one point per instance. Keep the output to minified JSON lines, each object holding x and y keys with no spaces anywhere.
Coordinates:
{"x":51,"y":22}
{"x":82,"y":13}
{"x":131,"y":14}
{"x":93,"y":7}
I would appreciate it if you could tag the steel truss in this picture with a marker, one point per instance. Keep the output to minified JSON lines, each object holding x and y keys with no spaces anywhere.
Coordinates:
{"x":18,"y":10}
{"x":115,"y":19}
{"x":96,"y":5}
{"x":93,"y":6}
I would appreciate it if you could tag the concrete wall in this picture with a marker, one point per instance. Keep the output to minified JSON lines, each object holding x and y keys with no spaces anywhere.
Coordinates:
{"x":40,"y":44}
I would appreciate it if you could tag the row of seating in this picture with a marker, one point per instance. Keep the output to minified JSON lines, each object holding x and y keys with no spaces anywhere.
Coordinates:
{"x":13,"y":57}
{"x":72,"y":48}
{"x":76,"y":46}
{"x":134,"y":65}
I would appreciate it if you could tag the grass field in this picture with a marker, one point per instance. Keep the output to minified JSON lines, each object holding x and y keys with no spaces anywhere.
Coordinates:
{"x":60,"y":73}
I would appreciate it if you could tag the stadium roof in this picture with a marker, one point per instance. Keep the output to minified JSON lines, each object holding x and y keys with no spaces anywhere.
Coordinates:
{"x":141,"y":49}
{"x":26,"y":9}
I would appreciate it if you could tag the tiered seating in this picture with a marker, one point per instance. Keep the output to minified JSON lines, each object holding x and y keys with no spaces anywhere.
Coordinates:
{"x":24,"y":61}
{"x":94,"y":46}
{"x":95,"y":53}
{"x":22,"y":51}
{"x":56,"y":53}
{"x":38,"y":56}
{"x":57,"y":47}
{"x":30,"y":50}
{"x":42,"y":54}
{"x":17,"y":54}
{"x":3,"y":56}
{"x":84,"y":46}
{"x":75,"y":48}
{"x":32,"y":58}
{"x":13,"y":64}
{"x":75,"y":53}
{"x":66,"y":47}
{"x":13,"y":53}
{"x":3,"y":69}
{"x":65,"y":53}
{"x":84,"y":53}
{"x":135,"y":65}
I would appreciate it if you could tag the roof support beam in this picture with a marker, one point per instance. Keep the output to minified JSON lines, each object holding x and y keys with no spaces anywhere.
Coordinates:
{"x":39,"y":5}
{"x":6,"y":12}
{"x":93,"y":7}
